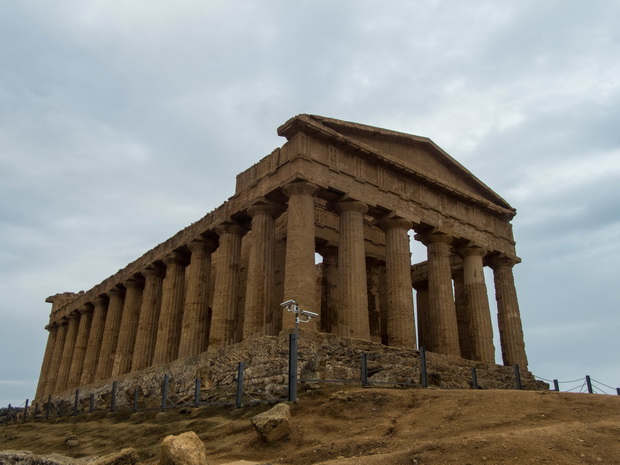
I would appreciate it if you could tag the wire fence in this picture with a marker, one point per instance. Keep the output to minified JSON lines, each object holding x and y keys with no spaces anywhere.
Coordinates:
{"x":244,"y":386}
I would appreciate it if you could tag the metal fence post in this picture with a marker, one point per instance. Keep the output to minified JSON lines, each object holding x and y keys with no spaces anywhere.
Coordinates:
{"x":423,"y":374}
{"x":76,"y":405}
{"x":474,"y":378}
{"x":197,"y":393}
{"x":113,"y":400}
{"x":589,"y":383}
{"x":91,"y":403}
{"x":26,"y":410}
{"x":364,"y":369}
{"x":135,"y":400}
{"x":618,"y":391}
{"x":518,"y":378}
{"x":556,"y":385}
{"x":239,"y":394}
{"x":164,"y":393}
{"x":292,"y":367}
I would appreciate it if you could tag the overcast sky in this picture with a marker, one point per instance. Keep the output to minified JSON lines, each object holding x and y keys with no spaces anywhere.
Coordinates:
{"x":123,"y":122}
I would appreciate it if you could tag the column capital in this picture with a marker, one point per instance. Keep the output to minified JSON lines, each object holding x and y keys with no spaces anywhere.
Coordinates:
{"x":264,"y":208}
{"x":229,"y":228}
{"x":472,"y":250}
{"x":202,"y":243}
{"x":152,"y":270}
{"x":114,"y":291}
{"x":351,"y":205}
{"x":497,"y":261}
{"x":85,"y":308}
{"x":174,"y":258}
{"x":134,"y":283}
{"x":395,"y":222}
{"x":300,"y":188}
{"x":100,"y":300}
{"x":434,"y":238}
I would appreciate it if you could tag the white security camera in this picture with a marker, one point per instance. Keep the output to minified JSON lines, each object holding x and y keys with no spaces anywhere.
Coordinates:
{"x":288,"y":303}
{"x":309,"y":314}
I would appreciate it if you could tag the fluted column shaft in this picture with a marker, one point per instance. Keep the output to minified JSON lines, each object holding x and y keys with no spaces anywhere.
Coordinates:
{"x":129,"y":326}
{"x":478,"y":311}
{"x":171,"y":315}
{"x":95,"y":337}
{"x":195,"y":326}
{"x":226,"y":292}
{"x":299,"y":270}
{"x":400,"y":318}
{"x":374,"y":268}
{"x":67,"y":352}
{"x":462,"y":315}
{"x":353,"y":309}
{"x":442,"y":313}
{"x":110,"y":334}
{"x":508,"y":314}
{"x":146,"y":334}
{"x":47,"y":361}
{"x":81,"y":342}
{"x":258,"y":319}
{"x":329,"y":286}
{"x":421,"y":300}
{"x":61,"y":335}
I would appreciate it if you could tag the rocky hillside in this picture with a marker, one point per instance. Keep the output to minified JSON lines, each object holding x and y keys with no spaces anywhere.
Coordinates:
{"x":363,"y":426}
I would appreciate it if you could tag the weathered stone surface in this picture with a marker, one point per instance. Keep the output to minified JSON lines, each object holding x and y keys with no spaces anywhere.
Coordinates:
{"x":348,"y":191}
{"x":184,"y":449}
{"x":127,"y":456}
{"x":24,"y":457}
{"x":273,"y":424}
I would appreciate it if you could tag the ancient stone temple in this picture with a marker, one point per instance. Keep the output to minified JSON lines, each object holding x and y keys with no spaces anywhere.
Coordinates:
{"x":352,"y":194}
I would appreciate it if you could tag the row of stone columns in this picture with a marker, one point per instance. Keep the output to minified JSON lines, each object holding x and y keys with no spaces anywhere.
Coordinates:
{"x":160,"y":314}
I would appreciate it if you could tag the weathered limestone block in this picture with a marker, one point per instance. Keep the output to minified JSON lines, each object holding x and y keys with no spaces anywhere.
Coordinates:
{"x":25,"y":457}
{"x":273,"y":424}
{"x":127,"y":456}
{"x":184,"y":449}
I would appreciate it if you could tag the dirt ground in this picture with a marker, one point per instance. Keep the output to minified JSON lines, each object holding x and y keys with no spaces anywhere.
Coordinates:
{"x":366,"y":427}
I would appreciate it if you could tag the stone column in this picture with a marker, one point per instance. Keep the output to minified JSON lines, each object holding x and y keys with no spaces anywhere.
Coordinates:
{"x":110,"y":334}
{"x":478,"y":311}
{"x":195,"y":326}
{"x":171,"y":314}
{"x":353,"y":311}
{"x":462,"y":316}
{"x":47,"y":361}
{"x":67,"y":352}
{"x":421,"y":300}
{"x":129,"y":326}
{"x":508,"y":315}
{"x":329,"y":287}
{"x":94,"y":340}
{"x":225,"y":294}
{"x":258,"y":319}
{"x":81,"y":341}
{"x":299,"y":271}
{"x":400,"y":318}
{"x":146,"y":334}
{"x":373,"y":272}
{"x":442,"y":313}
{"x":61,"y":335}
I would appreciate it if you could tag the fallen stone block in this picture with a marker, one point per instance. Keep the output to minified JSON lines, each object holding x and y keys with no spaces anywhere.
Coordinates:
{"x":184,"y":449}
{"x":273,"y":424}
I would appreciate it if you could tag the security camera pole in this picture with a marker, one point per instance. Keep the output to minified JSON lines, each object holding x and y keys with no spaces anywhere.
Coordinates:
{"x":301,"y":316}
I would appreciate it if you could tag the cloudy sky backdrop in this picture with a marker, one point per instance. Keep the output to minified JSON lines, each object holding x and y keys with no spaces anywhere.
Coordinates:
{"x":123,"y":122}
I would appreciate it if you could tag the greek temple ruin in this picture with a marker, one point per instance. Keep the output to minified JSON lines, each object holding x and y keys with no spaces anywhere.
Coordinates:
{"x":351,"y":193}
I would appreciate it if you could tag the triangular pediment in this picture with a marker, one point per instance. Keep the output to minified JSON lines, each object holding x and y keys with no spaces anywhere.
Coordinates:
{"x":414,"y":153}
